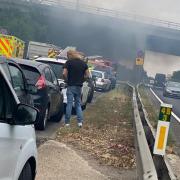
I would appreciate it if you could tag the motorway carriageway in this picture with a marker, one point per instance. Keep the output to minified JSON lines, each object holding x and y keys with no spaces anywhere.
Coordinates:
{"x":157,"y":96}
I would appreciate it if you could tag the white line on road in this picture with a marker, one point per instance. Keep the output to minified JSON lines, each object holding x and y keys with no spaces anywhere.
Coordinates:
{"x":173,"y":114}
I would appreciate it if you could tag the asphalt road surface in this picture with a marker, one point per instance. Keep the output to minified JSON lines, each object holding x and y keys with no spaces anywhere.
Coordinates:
{"x":175,"y":124}
{"x":174,"y":101}
{"x":52,"y":127}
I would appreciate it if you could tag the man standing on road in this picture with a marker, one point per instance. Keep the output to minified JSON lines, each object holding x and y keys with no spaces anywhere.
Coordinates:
{"x":75,"y":72}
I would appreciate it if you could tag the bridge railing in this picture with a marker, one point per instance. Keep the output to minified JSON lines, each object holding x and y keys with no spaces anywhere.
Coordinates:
{"x":76,"y":5}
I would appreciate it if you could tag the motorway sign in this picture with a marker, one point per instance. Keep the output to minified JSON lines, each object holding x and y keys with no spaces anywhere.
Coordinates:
{"x":139,"y":61}
{"x":162,"y":129}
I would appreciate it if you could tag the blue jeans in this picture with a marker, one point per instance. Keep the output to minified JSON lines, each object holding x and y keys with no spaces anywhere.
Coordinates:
{"x":73,"y":94}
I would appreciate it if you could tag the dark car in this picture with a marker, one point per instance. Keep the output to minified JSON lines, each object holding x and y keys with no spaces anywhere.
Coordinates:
{"x":160,"y":80}
{"x":45,"y":90}
{"x":17,"y":78}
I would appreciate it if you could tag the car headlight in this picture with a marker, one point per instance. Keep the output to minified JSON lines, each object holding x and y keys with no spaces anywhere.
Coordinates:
{"x":168,"y":90}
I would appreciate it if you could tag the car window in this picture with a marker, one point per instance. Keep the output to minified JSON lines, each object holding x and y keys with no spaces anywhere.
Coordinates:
{"x":7,"y":102}
{"x":31,"y":74}
{"x":56,"y":67}
{"x":54,"y":78}
{"x":105,"y":75}
{"x":97,"y":74}
{"x":48,"y":75}
{"x":17,"y":78}
{"x":1,"y":100}
{"x":6,"y":70}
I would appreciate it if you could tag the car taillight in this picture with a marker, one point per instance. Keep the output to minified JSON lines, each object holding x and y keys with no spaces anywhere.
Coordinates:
{"x":41,"y":83}
{"x":102,"y":80}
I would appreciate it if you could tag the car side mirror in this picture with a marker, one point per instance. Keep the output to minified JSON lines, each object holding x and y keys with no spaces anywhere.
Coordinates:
{"x":25,"y":115}
{"x":62,"y":85}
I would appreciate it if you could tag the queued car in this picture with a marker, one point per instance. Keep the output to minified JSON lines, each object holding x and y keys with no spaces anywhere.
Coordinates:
{"x":172,"y":89}
{"x":17,"y":78}
{"x":111,"y":75}
{"x":45,"y":91}
{"x":18,"y":149}
{"x":102,"y":81}
{"x":160,"y":80}
{"x":57,"y":66}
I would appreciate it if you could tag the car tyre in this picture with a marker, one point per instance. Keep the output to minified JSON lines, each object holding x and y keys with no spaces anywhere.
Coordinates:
{"x":91,"y":95}
{"x":84,"y":106}
{"x":164,"y":94}
{"x":41,"y":125}
{"x":26,"y":173}
{"x":58,"y":117}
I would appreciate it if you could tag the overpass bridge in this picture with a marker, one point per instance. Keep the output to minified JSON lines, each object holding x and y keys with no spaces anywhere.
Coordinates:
{"x":82,"y":7}
{"x":146,"y":30}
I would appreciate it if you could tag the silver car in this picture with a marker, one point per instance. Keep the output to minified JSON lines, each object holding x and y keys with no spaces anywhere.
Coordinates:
{"x":102,"y":81}
{"x":172,"y":89}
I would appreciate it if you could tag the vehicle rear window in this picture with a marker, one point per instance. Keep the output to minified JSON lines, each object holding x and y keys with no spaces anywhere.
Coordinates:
{"x":32,"y":75}
{"x":97,"y":74}
{"x":56,"y":67}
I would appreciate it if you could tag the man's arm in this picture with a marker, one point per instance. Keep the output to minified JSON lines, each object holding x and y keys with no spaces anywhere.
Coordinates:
{"x":87,"y":74}
{"x":65,"y":74}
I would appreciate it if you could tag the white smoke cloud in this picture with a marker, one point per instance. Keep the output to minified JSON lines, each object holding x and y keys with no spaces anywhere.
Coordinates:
{"x":161,"y":9}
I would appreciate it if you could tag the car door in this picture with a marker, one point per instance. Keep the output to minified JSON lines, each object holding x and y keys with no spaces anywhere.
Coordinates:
{"x":12,"y":138}
{"x":57,"y":93}
{"x":51,"y":91}
{"x":107,"y":81}
{"x":19,"y":84}
{"x":85,"y":92}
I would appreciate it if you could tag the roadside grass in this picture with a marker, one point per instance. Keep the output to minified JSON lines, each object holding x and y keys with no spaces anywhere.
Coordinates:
{"x":150,"y":108}
{"x":107,"y":132}
{"x":153,"y":114}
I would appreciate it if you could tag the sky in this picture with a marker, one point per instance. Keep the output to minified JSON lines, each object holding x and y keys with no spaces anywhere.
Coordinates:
{"x":161,"y":63}
{"x":161,"y":9}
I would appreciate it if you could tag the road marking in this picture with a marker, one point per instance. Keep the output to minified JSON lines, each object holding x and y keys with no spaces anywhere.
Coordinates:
{"x":173,"y":114}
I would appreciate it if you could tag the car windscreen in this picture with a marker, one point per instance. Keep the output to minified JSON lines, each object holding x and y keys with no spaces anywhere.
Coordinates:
{"x":97,"y":74}
{"x":56,"y":67}
{"x":32,"y":75}
{"x":173,"y":84}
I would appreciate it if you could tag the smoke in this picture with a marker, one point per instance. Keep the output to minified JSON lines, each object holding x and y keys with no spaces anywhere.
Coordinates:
{"x":161,"y":9}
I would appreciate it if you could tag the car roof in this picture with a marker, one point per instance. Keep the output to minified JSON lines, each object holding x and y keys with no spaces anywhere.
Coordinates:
{"x":98,"y":71}
{"x":173,"y":82}
{"x":60,"y":61}
{"x":31,"y":63}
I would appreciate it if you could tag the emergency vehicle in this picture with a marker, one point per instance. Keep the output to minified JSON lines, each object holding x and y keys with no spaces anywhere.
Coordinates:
{"x":11,"y":46}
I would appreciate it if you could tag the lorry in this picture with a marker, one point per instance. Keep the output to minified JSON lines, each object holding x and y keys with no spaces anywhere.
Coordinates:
{"x":11,"y":46}
{"x":38,"y":49}
{"x":160,"y":80}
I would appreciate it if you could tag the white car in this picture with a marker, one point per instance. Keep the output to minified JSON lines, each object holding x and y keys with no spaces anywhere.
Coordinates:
{"x":102,"y":81}
{"x":57,"y":66}
{"x":18,"y":151}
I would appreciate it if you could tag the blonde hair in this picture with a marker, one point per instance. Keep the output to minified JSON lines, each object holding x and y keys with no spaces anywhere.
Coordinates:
{"x":73,"y":54}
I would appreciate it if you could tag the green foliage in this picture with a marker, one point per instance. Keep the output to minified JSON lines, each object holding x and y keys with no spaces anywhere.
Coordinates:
{"x":27,"y":25}
{"x":176,"y":76}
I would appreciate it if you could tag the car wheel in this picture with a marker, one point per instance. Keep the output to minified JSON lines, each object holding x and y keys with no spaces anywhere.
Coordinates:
{"x":59,"y":116}
{"x":26,"y":173}
{"x":90,"y":97}
{"x":164,"y":94}
{"x":41,"y":125}
{"x":83,"y":107}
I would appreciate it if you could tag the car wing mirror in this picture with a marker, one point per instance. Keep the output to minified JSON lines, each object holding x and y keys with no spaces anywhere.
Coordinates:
{"x":62,"y":85}
{"x":25,"y":115}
